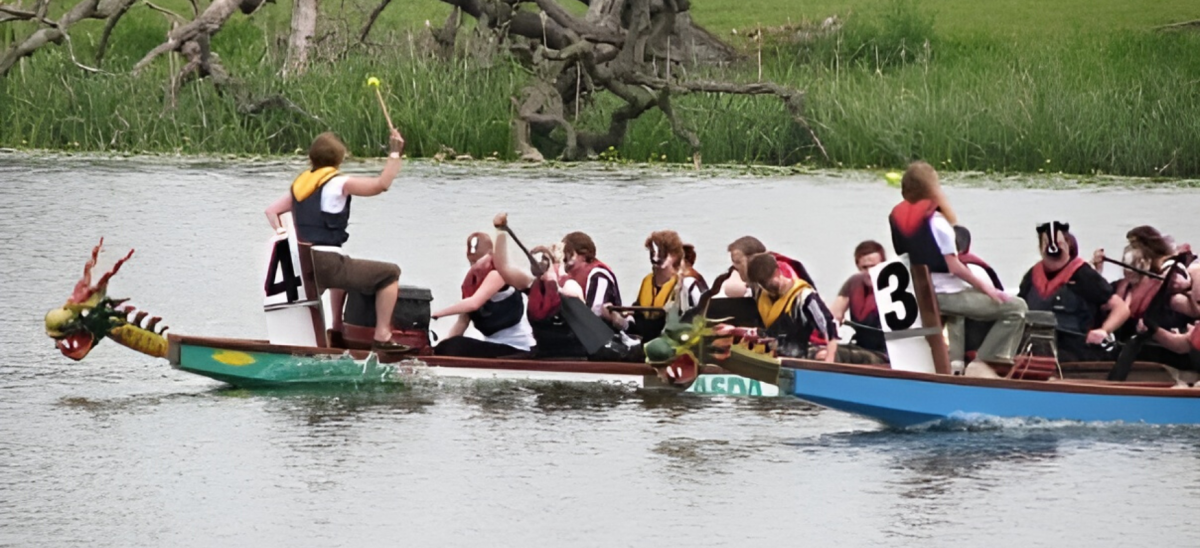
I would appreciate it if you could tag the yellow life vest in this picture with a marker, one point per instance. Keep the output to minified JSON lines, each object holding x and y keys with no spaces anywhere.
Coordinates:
{"x":309,"y":181}
{"x":771,"y":309}
{"x":648,"y":296}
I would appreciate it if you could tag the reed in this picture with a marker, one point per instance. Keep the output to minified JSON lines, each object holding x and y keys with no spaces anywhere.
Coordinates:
{"x":890,"y":86}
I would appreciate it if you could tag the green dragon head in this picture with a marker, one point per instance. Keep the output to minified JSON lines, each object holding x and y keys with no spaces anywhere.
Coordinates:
{"x":685,"y":346}
{"x":89,"y":316}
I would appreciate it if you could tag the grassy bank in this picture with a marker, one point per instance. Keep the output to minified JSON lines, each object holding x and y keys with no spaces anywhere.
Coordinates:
{"x":1005,"y":87}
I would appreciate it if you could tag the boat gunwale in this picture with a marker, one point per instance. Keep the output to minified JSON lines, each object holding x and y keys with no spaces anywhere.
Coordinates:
{"x":1060,"y":386}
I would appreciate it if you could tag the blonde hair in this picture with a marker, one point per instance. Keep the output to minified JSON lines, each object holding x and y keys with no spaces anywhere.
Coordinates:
{"x":920,"y":182}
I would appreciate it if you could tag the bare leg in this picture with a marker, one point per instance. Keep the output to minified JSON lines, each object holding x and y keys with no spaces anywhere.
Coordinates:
{"x":385,"y":302}
{"x":337,"y":300}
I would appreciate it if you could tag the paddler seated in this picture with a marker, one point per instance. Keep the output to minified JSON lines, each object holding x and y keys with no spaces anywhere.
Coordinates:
{"x":734,"y":283}
{"x":1157,"y":259}
{"x":857,"y":297}
{"x":548,"y":284}
{"x":597,"y":284}
{"x":922,"y":226}
{"x":790,"y":309}
{"x":494,"y":308}
{"x":319,"y":200}
{"x":1086,"y":309}
{"x":672,"y":285}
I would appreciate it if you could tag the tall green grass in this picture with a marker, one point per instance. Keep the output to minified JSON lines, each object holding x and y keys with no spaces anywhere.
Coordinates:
{"x":886,"y":88}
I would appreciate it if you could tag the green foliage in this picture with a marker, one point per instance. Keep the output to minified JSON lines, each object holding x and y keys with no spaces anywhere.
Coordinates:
{"x":1003,"y":86}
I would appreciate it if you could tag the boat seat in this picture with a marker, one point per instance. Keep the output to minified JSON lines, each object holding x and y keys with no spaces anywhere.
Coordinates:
{"x":1037,"y":355}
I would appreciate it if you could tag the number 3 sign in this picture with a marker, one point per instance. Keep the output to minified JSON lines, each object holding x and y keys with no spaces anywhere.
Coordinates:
{"x":900,"y":316}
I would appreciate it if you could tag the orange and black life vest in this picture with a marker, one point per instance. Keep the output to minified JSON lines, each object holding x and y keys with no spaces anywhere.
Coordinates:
{"x":312,"y":224}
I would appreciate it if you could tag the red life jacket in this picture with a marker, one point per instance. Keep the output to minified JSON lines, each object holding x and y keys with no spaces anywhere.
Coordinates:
{"x":862,"y":299}
{"x":971,"y":258}
{"x":476,"y":275}
{"x":912,"y":234}
{"x":544,"y":300}
{"x":582,"y":271}
{"x":1047,"y":287}
{"x":793,"y":268}
{"x":1141,"y":296}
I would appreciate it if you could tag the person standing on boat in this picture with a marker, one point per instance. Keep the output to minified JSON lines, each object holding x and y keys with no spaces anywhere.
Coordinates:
{"x":1085,"y":306}
{"x":495,"y":308}
{"x":790,"y":309}
{"x":922,"y":226}
{"x":857,"y":296}
{"x":671,"y":284}
{"x":319,"y":200}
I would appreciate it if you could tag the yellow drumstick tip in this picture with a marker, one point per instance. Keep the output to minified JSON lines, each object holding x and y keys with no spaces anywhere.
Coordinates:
{"x":373,"y":81}
{"x":893,"y":178}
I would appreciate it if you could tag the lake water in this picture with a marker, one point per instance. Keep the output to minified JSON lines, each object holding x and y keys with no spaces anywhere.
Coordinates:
{"x":120,"y":450}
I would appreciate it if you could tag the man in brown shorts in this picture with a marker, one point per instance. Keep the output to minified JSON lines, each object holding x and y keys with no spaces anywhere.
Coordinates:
{"x":320,"y":204}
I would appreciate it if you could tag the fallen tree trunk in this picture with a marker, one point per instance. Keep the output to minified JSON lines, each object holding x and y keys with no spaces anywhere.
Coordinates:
{"x":623,"y":47}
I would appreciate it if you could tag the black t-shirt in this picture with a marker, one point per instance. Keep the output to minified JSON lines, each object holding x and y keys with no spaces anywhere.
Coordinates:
{"x":1085,"y":282}
{"x":1096,"y":292}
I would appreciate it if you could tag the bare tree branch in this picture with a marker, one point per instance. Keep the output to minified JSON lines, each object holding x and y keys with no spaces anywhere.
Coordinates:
{"x":366,"y":29}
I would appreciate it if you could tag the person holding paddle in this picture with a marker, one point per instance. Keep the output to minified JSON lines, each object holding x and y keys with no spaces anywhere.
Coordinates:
{"x":319,"y":200}
{"x":671,"y":285}
{"x":495,"y":308}
{"x":1086,"y":308}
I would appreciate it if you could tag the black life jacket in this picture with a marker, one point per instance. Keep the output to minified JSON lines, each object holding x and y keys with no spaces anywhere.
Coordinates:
{"x":1071,"y":311}
{"x":912,"y":234}
{"x":313,"y":225}
{"x":496,"y":314}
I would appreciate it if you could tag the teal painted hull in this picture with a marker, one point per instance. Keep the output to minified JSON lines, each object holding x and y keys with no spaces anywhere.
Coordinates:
{"x":253,"y":364}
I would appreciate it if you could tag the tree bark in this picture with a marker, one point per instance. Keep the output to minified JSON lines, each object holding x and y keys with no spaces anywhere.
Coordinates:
{"x":622,"y":47}
{"x":205,"y":25}
{"x":304,"y":26}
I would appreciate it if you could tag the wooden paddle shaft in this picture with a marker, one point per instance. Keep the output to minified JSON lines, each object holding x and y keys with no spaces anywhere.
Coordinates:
{"x":532,"y":262}
{"x":383,"y":106}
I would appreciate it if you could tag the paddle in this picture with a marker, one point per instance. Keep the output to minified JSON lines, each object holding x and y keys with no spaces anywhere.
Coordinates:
{"x":592,"y":332}
{"x":1161,"y":301}
{"x":1135,"y":269}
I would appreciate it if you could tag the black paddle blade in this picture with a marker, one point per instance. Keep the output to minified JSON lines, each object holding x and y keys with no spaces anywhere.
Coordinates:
{"x":1124,"y":365}
{"x":592,"y":332}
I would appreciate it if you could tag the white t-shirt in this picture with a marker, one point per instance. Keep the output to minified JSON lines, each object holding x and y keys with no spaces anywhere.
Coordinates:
{"x":943,"y":234}
{"x":333,"y":194}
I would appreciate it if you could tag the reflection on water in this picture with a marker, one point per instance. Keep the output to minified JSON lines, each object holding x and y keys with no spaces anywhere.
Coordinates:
{"x":120,"y":450}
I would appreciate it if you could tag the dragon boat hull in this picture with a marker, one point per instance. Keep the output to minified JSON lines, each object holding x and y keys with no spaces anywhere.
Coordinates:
{"x":905,"y":399}
{"x":250,"y":364}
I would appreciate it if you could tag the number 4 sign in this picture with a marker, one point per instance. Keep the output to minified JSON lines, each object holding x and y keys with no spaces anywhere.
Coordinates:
{"x":900,"y":315}
{"x":291,"y":302}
